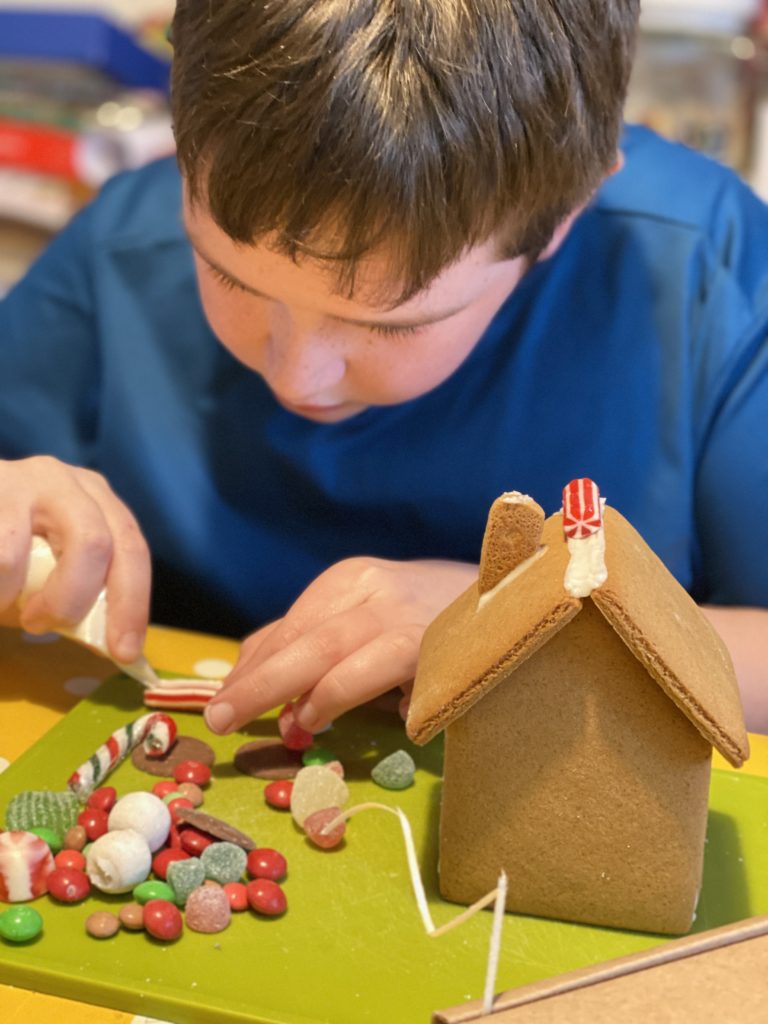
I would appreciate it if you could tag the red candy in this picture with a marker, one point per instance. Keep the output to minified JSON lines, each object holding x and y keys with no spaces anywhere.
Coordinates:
{"x":278,"y":794}
{"x":266,"y":863}
{"x":72,"y":859}
{"x":266,"y":897}
{"x":174,"y":838}
{"x":68,"y":885}
{"x":237,"y":894}
{"x":163,"y":920}
{"x":95,"y":822}
{"x":175,"y":805}
{"x":292,"y":735}
{"x":315,"y":823}
{"x":102,"y":799}
{"x":192,"y":771}
{"x":164,"y":787}
{"x":165,"y":857}
{"x":194,"y":841}
{"x":582,"y":511}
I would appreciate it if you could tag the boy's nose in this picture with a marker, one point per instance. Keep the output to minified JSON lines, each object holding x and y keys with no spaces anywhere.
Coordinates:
{"x":304,"y":363}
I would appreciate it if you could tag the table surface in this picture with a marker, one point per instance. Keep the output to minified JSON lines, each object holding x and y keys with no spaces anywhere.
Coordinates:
{"x":43,"y":678}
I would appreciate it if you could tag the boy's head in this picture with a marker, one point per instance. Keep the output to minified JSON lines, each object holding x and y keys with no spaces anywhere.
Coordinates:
{"x":346,"y":134}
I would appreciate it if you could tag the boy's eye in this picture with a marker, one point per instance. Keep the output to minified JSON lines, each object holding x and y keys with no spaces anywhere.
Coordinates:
{"x":395,"y":331}
{"x":225,"y":281}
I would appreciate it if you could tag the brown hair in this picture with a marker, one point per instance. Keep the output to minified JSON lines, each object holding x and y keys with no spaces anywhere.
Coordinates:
{"x":421,"y":127}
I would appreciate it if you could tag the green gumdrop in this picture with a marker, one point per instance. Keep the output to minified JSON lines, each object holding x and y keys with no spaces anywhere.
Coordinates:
{"x":184,"y":876}
{"x":153,"y":890}
{"x":395,"y":771}
{"x":53,"y":839}
{"x":317,"y":755}
{"x":224,"y":862}
{"x":20,"y":924}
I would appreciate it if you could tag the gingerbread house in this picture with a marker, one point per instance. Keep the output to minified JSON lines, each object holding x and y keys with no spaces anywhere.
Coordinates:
{"x":581,"y":691}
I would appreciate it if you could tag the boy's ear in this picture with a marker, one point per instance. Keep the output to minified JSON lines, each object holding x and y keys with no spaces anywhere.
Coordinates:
{"x":561,"y":231}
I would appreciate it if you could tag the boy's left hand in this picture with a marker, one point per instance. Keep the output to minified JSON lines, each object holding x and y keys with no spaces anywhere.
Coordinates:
{"x":353,"y":634}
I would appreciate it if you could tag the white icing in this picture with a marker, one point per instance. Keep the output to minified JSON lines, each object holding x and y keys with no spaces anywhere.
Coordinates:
{"x":516,"y":498}
{"x":586,"y":568}
{"x":513,"y":575}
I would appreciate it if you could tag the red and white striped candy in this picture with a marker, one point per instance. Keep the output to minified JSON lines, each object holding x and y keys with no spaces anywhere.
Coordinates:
{"x":582,"y":510}
{"x":156,"y":731}
{"x":25,"y":864}
{"x":182,"y":694}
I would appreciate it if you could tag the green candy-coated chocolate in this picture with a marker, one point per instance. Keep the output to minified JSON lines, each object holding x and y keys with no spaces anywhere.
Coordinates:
{"x":153,"y":890}
{"x":318,"y":755}
{"x":20,"y":924}
{"x":53,"y":839}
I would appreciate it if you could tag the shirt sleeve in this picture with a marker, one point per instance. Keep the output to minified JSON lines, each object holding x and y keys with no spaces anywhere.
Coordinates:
{"x":49,"y":354}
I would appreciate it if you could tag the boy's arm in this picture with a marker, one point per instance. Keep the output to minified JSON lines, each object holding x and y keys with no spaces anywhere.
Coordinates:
{"x":745,"y":634}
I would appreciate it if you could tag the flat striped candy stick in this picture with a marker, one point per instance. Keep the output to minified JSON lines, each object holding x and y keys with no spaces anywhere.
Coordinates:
{"x":182,"y":694}
{"x":582,"y":510}
{"x":156,"y":731}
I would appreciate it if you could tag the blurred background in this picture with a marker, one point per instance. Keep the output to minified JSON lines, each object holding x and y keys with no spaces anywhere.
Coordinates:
{"x":83,"y":95}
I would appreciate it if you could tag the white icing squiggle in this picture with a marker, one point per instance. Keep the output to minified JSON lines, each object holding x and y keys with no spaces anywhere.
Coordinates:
{"x":586,"y":568}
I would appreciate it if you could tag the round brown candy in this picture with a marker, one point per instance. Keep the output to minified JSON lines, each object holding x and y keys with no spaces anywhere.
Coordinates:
{"x":186,"y":748}
{"x":75,"y":838}
{"x":132,"y":917}
{"x":268,"y":759}
{"x":191,"y":791}
{"x":102,"y":924}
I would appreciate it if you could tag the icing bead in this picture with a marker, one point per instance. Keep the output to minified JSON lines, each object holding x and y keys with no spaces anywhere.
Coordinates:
{"x":192,"y":771}
{"x":102,"y":924}
{"x":267,"y":863}
{"x":57,"y":811}
{"x":153,"y":890}
{"x":278,"y":794}
{"x":75,"y":838}
{"x":266,"y":897}
{"x":118,"y":861}
{"x":314,"y":788}
{"x":162,"y":860}
{"x":68,"y":885}
{"x":316,"y":822}
{"x":292,"y":735}
{"x":395,"y":771}
{"x":184,"y":876}
{"x":192,"y":792}
{"x":94,"y":822}
{"x":132,"y":917}
{"x":317,"y":755}
{"x":208,"y":909}
{"x":20,"y":924}
{"x":51,"y":839}
{"x":72,"y":859}
{"x":224,"y":862}
{"x":102,"y":799}
{"x":144,"y":813}
{"x":163,"y":920}
{"x":25,"y":864}
{"x":237,"y":894}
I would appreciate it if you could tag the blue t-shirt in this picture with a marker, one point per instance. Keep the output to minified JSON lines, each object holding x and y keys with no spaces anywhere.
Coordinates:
{"x":638,"y":356}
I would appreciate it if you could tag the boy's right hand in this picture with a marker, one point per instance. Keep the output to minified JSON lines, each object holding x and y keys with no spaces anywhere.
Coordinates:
{"x":97,"y":543}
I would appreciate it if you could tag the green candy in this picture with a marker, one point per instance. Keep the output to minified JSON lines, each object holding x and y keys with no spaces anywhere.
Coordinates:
{"x":318,"y":755}
{"x":184,"y":876}
{"x":53,"y":839}
{"x":153,"y":890}
{"x":395,"y":771}
{"x":223,"y":862}
{"x":42,"y":809}
{"x":20,"y":924}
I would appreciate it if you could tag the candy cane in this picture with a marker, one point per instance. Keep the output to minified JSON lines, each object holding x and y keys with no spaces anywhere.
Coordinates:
{"x":157,"y":732}
{"x":582,"y":510}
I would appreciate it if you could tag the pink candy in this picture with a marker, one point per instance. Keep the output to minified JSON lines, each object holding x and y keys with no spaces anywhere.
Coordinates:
{"x":208,"y":909}
{"x":25,"y":864}
{"x":292,"y":735}
{"x":315,"y":824}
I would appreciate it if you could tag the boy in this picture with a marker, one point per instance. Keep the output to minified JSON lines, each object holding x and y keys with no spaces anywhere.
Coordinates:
{"x":409,"y":228}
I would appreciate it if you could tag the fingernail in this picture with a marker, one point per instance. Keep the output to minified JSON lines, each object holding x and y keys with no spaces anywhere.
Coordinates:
{"x":219,"y":717}
{"x":129,"y":647}
{"x":305,"y":715}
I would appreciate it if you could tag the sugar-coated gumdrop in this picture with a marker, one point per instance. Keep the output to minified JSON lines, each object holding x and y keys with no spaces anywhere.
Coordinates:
{"x":20,"y":924}
{"x":315,"y":824}
{"x":395,"y":771}
{"x":145,"y":813}
{"x":184,"y":876}
{"x":315,"y":788}
{"x":68,"y":885}
{"x":44,"y":809}
{"x":25,"y":864}
{"x":278,"y":794}
{"x":163,"y":920}
{"x":208,"y":909}
{"x":292,"y":735}
{"x":224,"y":862}
{"x":266,"y":897}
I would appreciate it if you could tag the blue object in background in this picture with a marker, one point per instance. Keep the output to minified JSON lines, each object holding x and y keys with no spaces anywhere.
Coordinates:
{"x":83,"y":39}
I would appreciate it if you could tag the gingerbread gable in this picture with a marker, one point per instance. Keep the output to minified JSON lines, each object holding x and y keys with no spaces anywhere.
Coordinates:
{"x":478,"y":642}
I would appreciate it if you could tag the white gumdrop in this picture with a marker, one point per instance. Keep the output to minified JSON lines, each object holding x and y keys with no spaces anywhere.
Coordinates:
{"x":118,"y":861}
{"x":145,"y":813}
{"x":316,"y":787}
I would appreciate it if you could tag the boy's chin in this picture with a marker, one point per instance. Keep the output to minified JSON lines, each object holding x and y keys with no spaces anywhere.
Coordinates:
{"x":324,"y":413}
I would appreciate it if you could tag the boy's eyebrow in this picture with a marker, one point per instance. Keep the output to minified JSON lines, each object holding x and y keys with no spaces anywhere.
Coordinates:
{"x":416,"y":322}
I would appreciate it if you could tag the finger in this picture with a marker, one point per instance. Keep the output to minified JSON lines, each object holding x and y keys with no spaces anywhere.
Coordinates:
{"x":248,"y":650}
{"x":253,"y":689}
{"x":129,"y":579}
{"x":15,"y":539}
{"x":388,"y":660}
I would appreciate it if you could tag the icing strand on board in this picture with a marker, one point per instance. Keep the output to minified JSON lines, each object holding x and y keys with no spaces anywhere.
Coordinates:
{"x":585,"y":536}
{"x":497,"y":896}
{"x":156,"y":731}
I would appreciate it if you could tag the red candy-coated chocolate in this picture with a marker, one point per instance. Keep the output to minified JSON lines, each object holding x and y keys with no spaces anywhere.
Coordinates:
{"x":237,"y":894}
{"x":266,"y":897}
{"x":164,"y":787}
{"x":266,"y":863}
{"x":95,"y":823}
{"x":278,"y":794}
{"x":72,"y":859}
{"x":102,"y":799}
{"x":68,"y":885}
{"x":292,"y":735}
{"x":174,"y":838}
{"x":192,"y":771}
{"x":175,"y":805}
{"x":165,"y":857}
{"x":194,"y":841}
{"x":162,"y":919}
{"x":315,"y":824}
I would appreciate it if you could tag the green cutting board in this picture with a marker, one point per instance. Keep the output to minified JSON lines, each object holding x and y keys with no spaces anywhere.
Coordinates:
{"x":351,"y":948}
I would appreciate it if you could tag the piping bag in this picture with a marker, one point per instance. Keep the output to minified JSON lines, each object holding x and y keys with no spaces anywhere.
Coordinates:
{"x":92,"y":628}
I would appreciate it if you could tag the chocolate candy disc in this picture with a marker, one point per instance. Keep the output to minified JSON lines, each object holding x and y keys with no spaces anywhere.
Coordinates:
{"x":268,"y":759}
{"x":215,"y":827}
{"x":186,"y":748}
